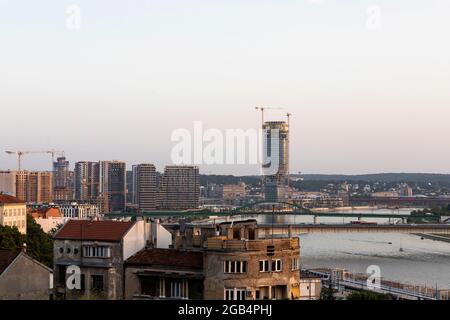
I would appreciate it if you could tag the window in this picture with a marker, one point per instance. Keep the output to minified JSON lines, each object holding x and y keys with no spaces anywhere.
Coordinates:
{"x":97,"y":283}
{"x":62,"y":276}
{"x":235,"y":294}
{"x":96,"y":252}
{"x":295,"y":264}
{"x":176,"y":289}
{"x":235,"y":266}
{"x":276,"y":265}
{"x":82,"y":282}
{"x":264,"y":266}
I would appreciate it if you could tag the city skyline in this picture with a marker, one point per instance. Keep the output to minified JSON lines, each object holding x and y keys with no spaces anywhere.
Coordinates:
{"x":364,"y":100}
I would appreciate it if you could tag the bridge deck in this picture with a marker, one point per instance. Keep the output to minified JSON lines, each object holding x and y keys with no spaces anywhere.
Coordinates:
{"x":265,"y":229}
{"x":200,"y":214}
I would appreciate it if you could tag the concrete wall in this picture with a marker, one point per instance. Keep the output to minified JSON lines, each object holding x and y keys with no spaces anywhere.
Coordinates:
{"x":136,"y":238}
{"x":50,"y":223}
{"x":110,"y":268}
{"x":310,"y":289}
{"x":25,"y":279}
{"x":8,"y":182}
{"x":216,"y":280}
{"x":161,"y":237}
{"x":132,"y":284}
{"x":14,"y":215}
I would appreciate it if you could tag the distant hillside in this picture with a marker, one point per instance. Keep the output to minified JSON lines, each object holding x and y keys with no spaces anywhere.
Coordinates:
{"x":382,"y":177}
{"x":217,"y":179}
{"x":385,"y":177}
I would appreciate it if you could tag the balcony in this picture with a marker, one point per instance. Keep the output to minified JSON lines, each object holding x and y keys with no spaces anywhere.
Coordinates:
{"x":222,"y":244}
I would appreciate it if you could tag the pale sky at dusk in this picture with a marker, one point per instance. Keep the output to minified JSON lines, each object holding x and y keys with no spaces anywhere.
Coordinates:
{"x":364,"y":100}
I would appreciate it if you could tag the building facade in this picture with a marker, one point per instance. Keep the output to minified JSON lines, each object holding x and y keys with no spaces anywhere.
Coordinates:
{"x":239,"y":266}
{"x":276,"y":160}
{"x":112,"y":186}
{"x":34,"y":187}
{"x":87,"y":179}
{"x":180,"y":188}
{"x":62,"y":185}
{"x":164,"y":274}
{"x":98,"y":249}
{"x":8,"y":182}
{"x":23,"y":278}
{"x":81,"y":211}
{"x":144,"y":187}
{"x":49,"y":218}
{"x":227,"y":262}
{"x":13,"y":213}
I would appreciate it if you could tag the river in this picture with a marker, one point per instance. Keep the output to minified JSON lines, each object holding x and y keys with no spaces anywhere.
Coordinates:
{"x":401,"y":257}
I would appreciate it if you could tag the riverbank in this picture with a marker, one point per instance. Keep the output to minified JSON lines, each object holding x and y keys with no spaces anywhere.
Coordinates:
{"x":346,"y":209}
{"x":435,"y":237}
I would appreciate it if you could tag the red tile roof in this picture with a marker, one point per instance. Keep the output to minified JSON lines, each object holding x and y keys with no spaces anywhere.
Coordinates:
{"x":93,"y":230}
{"x":46,"y":213}
{"x":4,"y":198}
{"x":168,"y":258}
{"x":6,"y":258}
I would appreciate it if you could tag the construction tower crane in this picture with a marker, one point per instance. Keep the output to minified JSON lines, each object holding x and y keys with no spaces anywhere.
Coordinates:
{"x":289,"y":115}
{"x":20,"y":154}
{"x":262,"y":109}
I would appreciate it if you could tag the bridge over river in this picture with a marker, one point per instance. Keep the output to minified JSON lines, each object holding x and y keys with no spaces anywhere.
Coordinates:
{"x":206,"y":214}
{"x":287,"y":230}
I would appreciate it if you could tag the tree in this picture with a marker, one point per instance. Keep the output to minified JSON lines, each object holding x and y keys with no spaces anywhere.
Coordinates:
{"x":368,"y":295}
{"x":39,"y":243}
{"x":327,"y":293}
{"x":11,"y":238}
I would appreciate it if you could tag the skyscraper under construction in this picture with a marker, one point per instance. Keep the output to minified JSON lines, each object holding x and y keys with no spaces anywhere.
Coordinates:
{"x":276,"y":160}
{"x":62,"y":184}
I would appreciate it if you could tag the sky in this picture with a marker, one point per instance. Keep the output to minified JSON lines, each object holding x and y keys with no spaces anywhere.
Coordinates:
{"x":367,"y":82}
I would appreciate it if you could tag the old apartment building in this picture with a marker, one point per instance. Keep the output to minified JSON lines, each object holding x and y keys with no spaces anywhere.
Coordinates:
{"x":98,"y":249}
{"x":13,"y":213}
{"x":217,"y":262}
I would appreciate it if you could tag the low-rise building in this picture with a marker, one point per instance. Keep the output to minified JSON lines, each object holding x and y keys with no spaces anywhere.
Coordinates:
{"x":23,"y":278}
{"x":240,"y":266}
{"x":98,"y":250}
{"x":48,"y":218}
{"x":310,"y":286}
{"x":156,"y":274}
{"x":224,"y":262}
{"x":232,"y":191}
{"x":13,"y":213}
{"x":385,"y":194}
{"x":81,"y":211}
